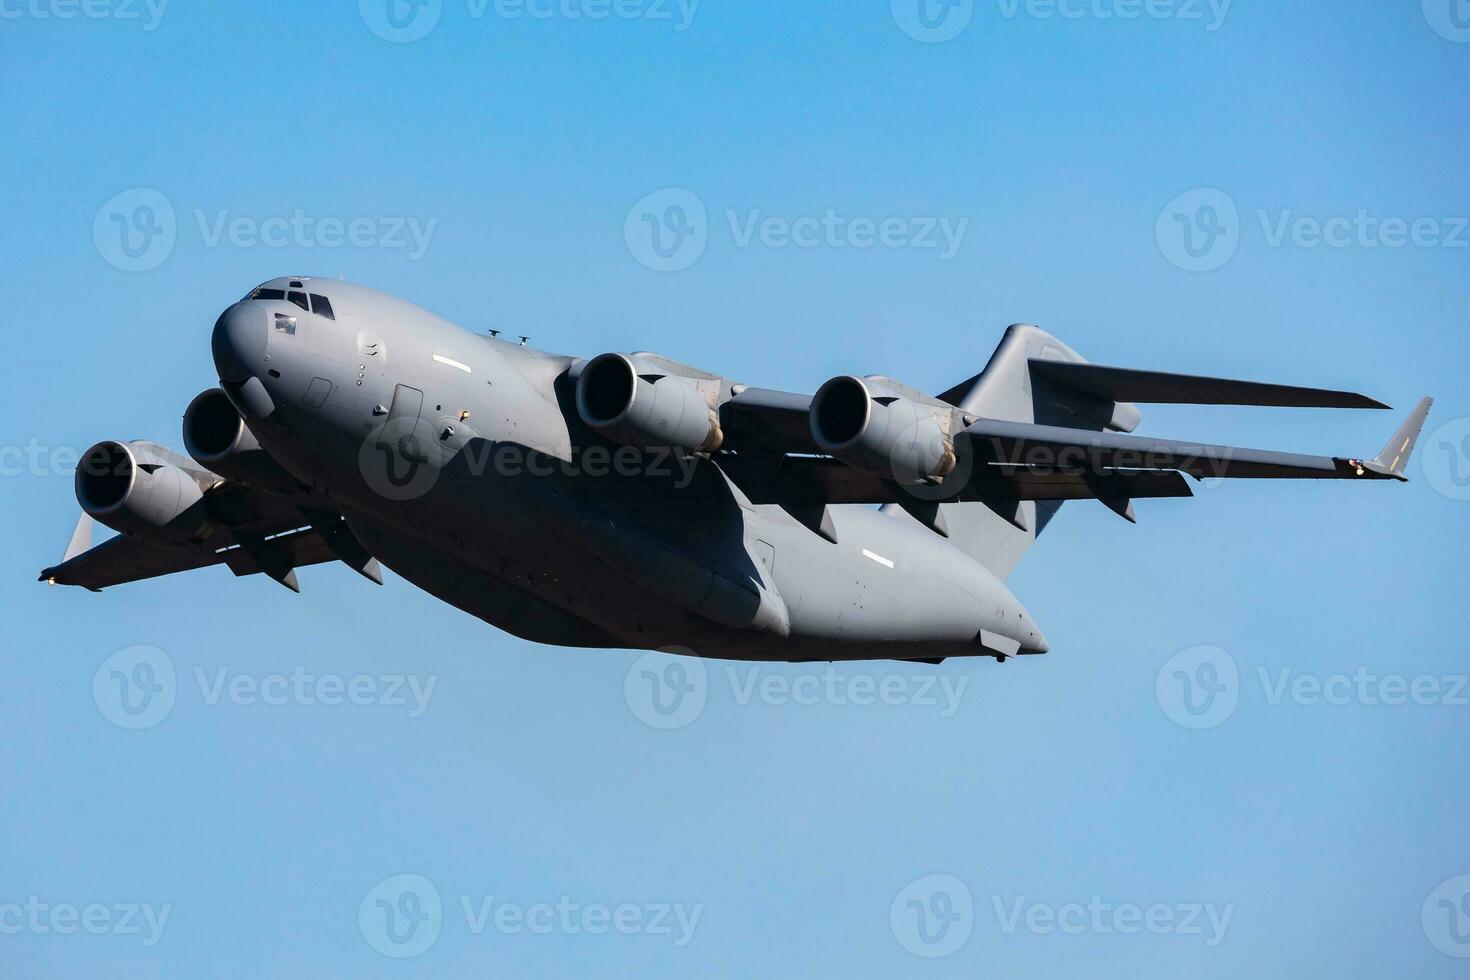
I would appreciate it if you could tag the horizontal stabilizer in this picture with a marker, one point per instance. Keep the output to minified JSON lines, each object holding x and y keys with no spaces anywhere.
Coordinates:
{"x":1128,"y":385}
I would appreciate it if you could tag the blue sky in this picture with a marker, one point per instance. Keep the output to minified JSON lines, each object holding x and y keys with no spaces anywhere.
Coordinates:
{"x":1314,"y":153}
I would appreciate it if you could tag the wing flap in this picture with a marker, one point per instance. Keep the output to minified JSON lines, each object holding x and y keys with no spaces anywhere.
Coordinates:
{"x":809,"y":480}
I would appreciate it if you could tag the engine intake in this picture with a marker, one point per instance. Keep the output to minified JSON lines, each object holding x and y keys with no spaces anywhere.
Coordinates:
{"x":132,"y":489}
{"x":621,"y":400}
{"x":217,"y":438}
{"x":878,"y":425}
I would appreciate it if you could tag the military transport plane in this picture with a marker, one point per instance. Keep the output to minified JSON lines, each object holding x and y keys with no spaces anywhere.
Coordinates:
{"x":630,"y":501}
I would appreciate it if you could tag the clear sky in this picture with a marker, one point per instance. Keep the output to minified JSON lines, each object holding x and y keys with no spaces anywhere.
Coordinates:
{"x":1262,"y":190}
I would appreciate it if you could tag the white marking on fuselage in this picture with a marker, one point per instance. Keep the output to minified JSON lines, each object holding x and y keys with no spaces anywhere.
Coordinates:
{"x":877,"y":558}
{"x":453,"y":363}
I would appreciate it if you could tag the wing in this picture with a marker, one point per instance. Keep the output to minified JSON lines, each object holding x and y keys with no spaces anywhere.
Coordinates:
{"x":1095,"y":454}
{"x":775,"y":458}
{"x":251,"y":532}
{"x":767,"y":419}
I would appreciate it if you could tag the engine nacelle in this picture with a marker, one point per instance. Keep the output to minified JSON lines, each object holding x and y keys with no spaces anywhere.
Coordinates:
{"x":640,"y":405}
{"x":132,"y":489}
{"x":878,"y":425}
{"x":217,"y":438}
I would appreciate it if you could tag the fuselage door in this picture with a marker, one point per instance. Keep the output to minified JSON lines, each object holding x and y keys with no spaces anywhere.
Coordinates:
{"x":403,"y":440}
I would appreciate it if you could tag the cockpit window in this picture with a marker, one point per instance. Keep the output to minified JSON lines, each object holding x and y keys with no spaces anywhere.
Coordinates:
{"x":299,"y":299}
{"x":264,"y":293}
{"x":322,"y":306}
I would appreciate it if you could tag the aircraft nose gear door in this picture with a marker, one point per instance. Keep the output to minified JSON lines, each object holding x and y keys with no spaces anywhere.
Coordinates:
{"x":402,"y":441}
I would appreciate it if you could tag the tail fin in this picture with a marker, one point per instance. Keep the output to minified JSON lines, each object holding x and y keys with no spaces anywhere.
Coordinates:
{"x":998,"y":535}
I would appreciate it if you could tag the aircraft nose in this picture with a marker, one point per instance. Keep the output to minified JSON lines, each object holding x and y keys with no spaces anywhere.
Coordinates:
{"x":239,"y":341}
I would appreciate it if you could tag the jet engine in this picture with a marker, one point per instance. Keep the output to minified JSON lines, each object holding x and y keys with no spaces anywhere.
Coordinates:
{"x":132,"y":488}
{"x":216,"y":436}
{"x":637,"y":404}
{"x":883,"y":427}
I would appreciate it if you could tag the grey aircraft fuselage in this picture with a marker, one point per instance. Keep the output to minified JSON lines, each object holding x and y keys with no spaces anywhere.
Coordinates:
{"x":460,"y":462}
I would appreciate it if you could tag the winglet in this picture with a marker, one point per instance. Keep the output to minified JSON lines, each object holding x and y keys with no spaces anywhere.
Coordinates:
{"x":1394,"y":458}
